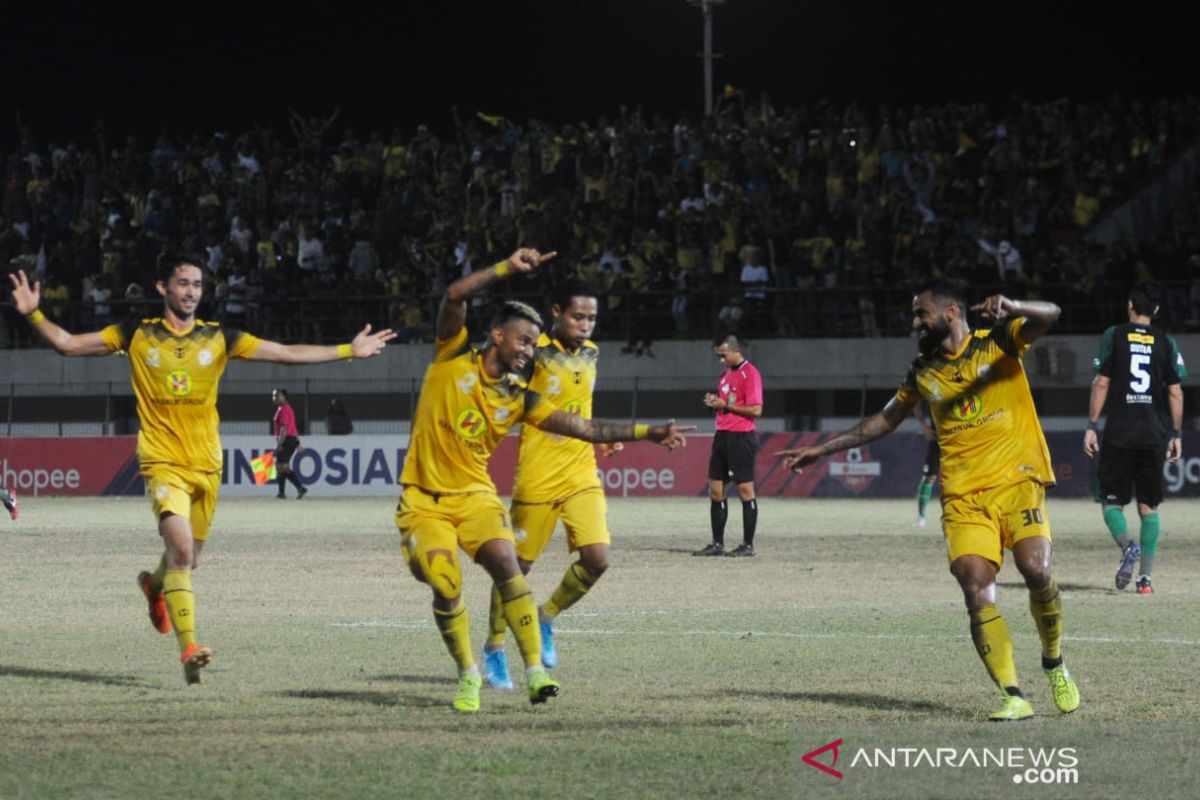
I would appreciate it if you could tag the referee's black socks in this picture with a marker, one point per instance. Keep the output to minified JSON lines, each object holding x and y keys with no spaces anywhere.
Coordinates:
{"x":718,"y":512}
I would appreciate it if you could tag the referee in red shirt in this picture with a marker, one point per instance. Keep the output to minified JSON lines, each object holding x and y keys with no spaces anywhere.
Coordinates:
{"x":738,"y":403}
{"x":287,"y":441}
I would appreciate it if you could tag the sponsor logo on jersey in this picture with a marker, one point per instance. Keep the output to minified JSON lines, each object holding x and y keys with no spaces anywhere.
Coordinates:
{"x":1140,"y":338}
{"x":470,"y":424}
{"x":179,"y":383}
{"x":966,"y":407}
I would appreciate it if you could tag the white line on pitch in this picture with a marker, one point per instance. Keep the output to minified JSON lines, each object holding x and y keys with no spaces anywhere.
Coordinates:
{"x":420,"y":625}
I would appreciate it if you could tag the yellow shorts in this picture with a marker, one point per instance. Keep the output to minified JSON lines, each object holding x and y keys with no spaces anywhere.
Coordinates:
{"x":449,"y":522}
{"x":584,"y":515}
{"x":985,"y":523}
{"x":185,"y":492}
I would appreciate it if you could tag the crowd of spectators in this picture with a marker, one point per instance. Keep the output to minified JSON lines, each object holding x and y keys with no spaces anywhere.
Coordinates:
{"x":766,"y":221}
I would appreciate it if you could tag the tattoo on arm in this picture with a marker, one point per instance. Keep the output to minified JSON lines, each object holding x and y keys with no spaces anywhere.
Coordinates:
{"x":589,"y":430}
{"x":873,"y":427}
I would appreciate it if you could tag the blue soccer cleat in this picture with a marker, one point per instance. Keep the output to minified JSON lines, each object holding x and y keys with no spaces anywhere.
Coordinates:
{"x":495,"y":669}
{"x":549,"y":654}
{"x":1128,"y":559}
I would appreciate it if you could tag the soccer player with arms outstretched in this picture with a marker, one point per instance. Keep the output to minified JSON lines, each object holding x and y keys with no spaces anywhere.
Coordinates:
{"x":176,"y":362}
{"x":469,"y":401}
{"x":995,"y":470}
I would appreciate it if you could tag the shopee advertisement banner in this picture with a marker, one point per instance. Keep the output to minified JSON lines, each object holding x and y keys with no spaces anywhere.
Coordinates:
{"x":368,"y":466}
{"x":70,"y":466}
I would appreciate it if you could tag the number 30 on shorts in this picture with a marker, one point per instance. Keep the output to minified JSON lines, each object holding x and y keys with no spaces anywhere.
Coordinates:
{"x":1033,"y":516}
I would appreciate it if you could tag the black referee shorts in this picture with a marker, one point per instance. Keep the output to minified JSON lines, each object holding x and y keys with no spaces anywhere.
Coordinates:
{"x":733,"y":456}
{"x":285,"y":451}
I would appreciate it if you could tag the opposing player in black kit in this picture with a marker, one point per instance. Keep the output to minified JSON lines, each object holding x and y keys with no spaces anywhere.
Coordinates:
{"x":1139,"y":367}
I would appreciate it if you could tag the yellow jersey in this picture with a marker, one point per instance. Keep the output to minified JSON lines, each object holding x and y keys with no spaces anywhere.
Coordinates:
{"x":461,"y":417}
{"x":552,"y":467}
{"x":986,"y":422}
{"x":175,"y":377}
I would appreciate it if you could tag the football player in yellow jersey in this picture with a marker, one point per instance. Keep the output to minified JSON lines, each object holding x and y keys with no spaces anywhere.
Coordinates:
{"x":176,"y":363}
{"x":469,"y":400}
{"x":556,"y":478}
{"x":995,"y":470}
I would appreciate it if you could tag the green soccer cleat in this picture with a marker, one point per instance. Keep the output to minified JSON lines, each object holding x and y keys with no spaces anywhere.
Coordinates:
{"x":1014,"y":709}
{"x":467,"y":698}
{"x":542,"y":687}
{"x":1066,"y":693}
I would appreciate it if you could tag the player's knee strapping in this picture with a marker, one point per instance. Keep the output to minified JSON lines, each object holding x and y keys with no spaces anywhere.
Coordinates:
{"x":575,"y":583}
{"x":442,"y":572}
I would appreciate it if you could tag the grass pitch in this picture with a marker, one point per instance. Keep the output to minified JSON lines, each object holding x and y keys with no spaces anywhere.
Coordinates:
{"x":682,"y":677}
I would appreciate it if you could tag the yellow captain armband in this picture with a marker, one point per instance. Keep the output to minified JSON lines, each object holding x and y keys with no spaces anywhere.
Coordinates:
{"x":35,"y":317}
{"x":345,"y":351}
{"x":641,"y":431}
{"x":503,"y":269}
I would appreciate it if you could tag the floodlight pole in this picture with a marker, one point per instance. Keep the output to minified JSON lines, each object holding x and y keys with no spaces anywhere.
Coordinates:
{"x":706,"y":8}
{"x":708,"y":59}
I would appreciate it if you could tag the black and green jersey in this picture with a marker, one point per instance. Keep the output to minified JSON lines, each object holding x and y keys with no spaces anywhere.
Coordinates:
{"x":1140,"y":361}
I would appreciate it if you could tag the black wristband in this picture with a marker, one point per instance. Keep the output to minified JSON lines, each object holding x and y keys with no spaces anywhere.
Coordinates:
{"x":1093,"y":426}
{"x":1177,"y":434}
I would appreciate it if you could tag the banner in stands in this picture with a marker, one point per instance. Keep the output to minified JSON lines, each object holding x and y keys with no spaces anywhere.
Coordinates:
{"x":328,"y":466}
{"x":70,"y":466}
{"x":368,"y":466}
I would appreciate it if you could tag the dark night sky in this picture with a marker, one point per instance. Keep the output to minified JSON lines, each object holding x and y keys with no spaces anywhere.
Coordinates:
{"x":199,"y":67}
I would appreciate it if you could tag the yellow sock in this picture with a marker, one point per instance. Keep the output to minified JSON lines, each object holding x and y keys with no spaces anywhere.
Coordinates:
{"x":156,"y":577}
{"x":455,"y":626}
{"x":181,"y":605}
{"x":497,"y":627}
{"x":994,"y":645}
{"x":575,"y":584}
{"x":521,"y":613}
{"x":1046,"y":607}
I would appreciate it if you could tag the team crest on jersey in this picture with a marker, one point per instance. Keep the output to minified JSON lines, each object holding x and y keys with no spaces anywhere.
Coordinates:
{"x":153,"y":359}
{"x":966,"y":407}
{"x":470,"y":424}
{"x":854,"y":469}
{"x":179,"y":383}
{"x":205,"y":357}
